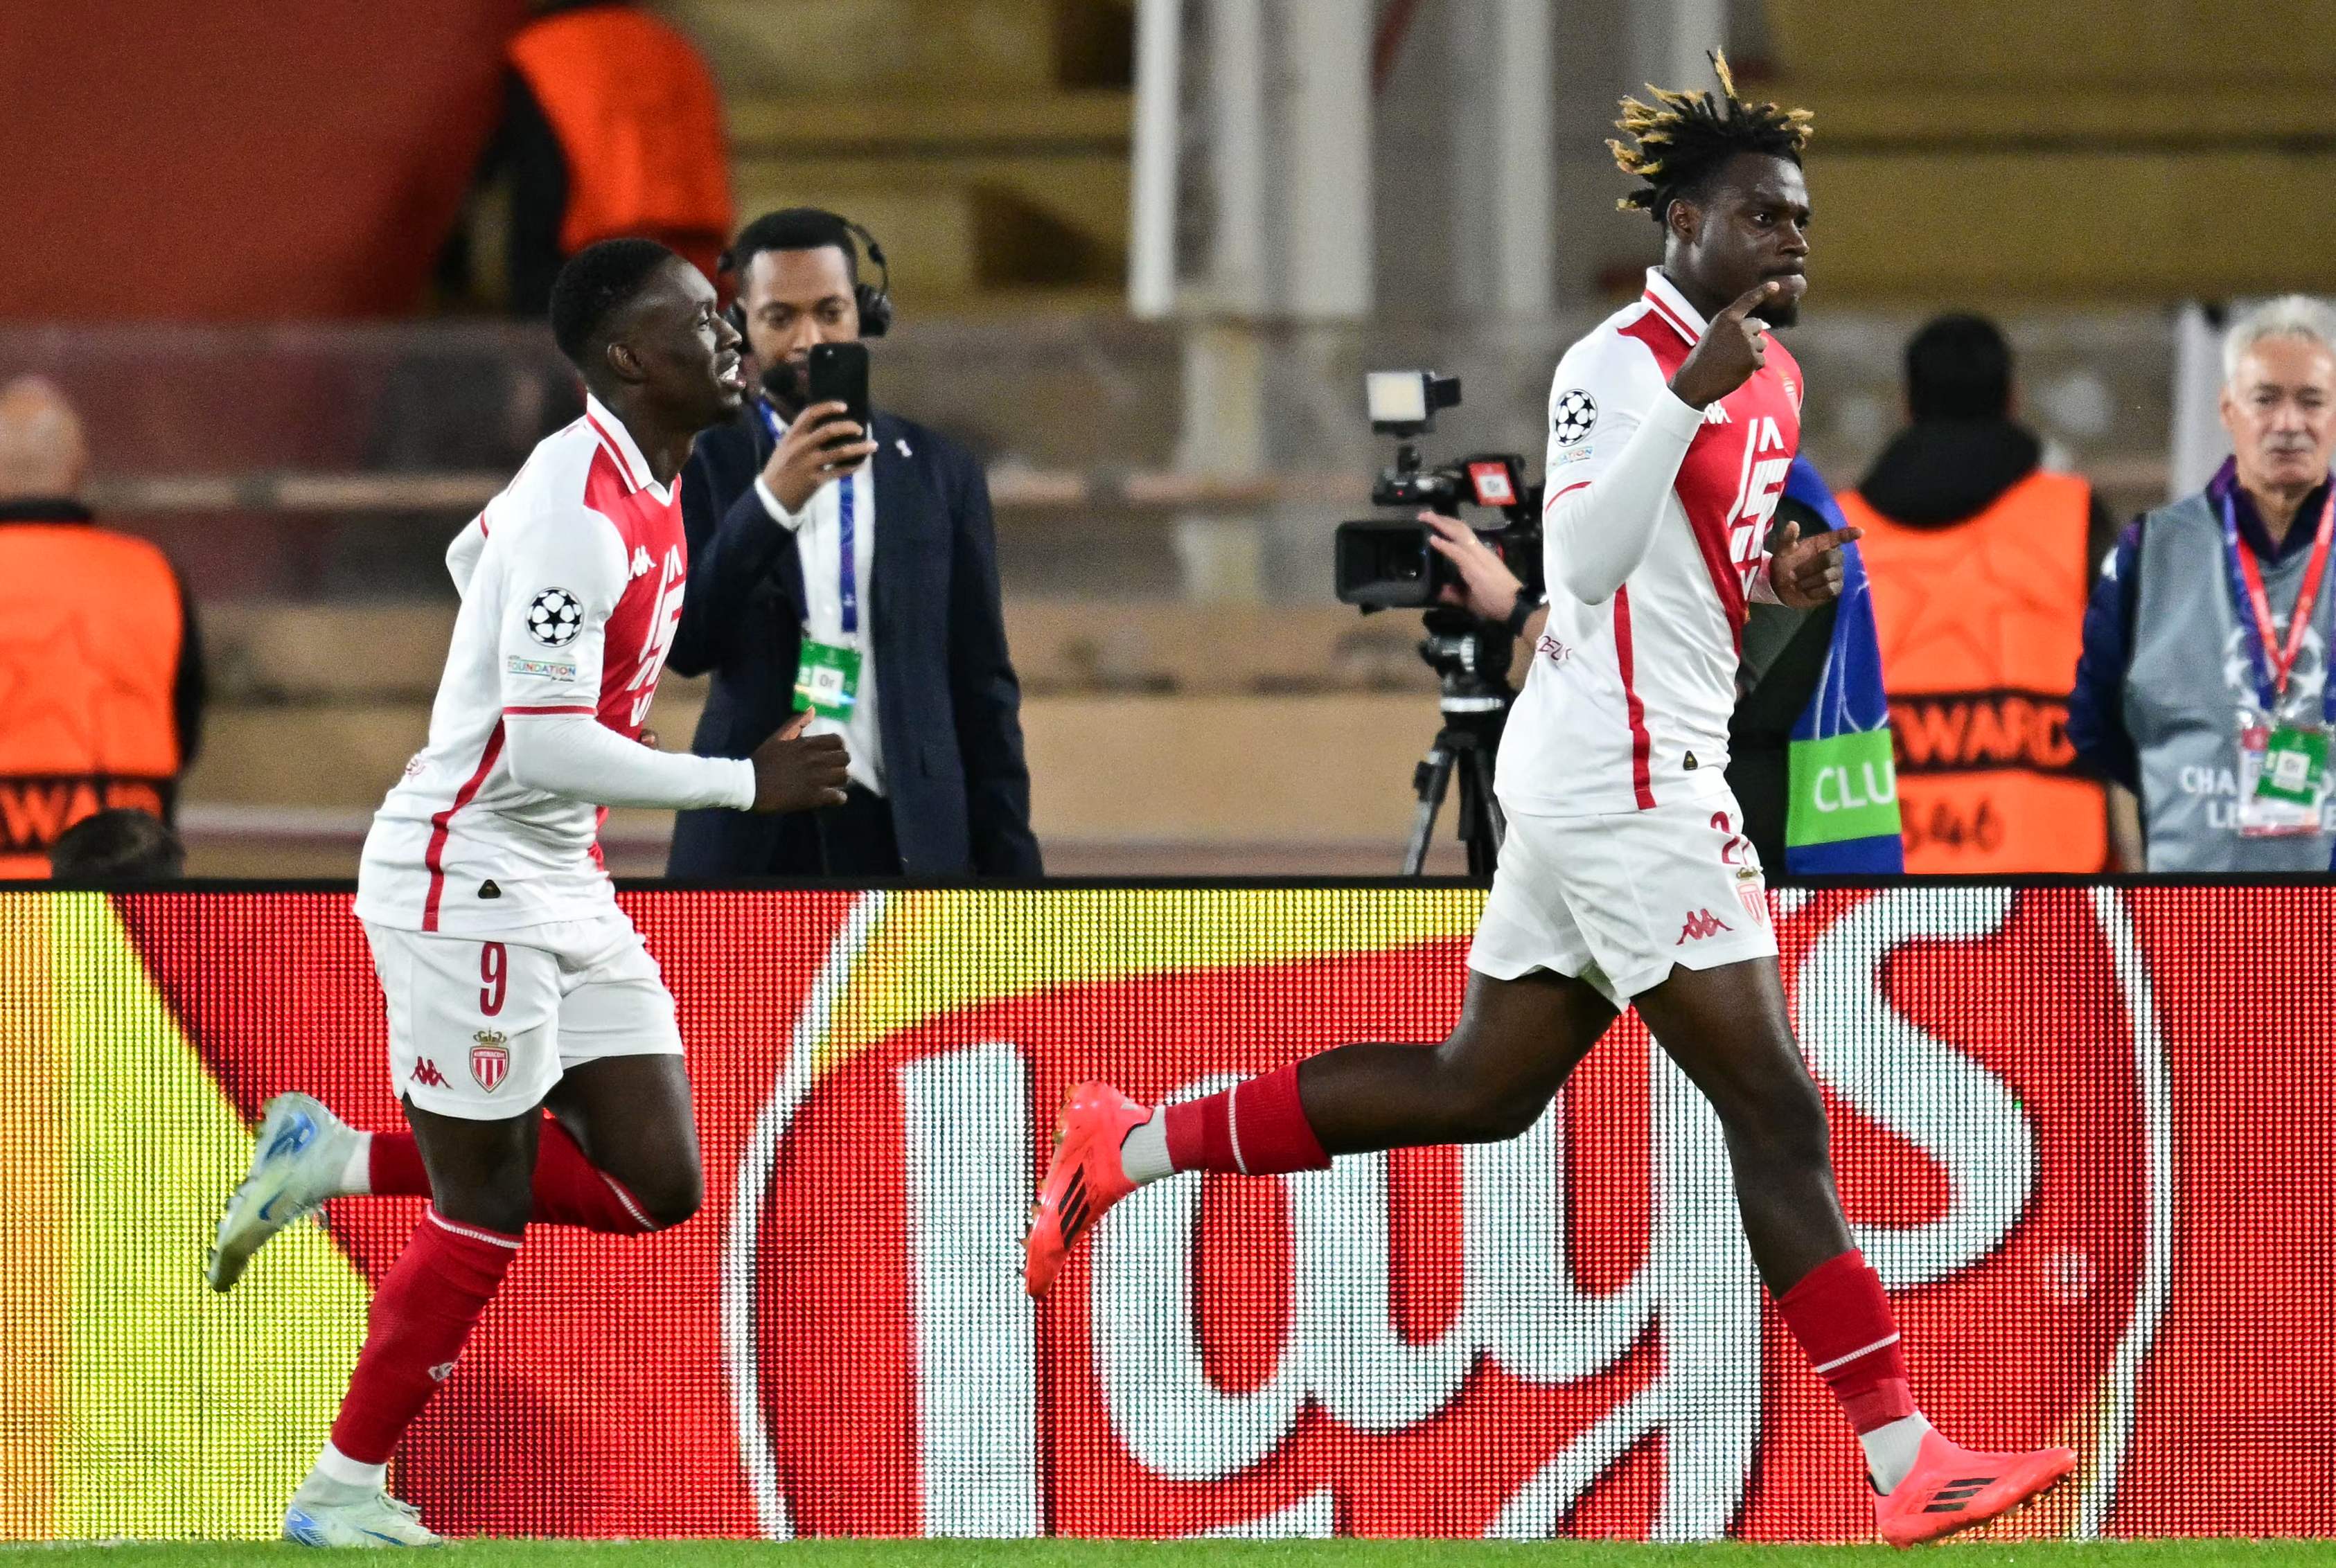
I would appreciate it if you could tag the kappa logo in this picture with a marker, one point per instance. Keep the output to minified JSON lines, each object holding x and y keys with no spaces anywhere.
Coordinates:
{"x":641,"y":562}
{"x":1701,"y":923}
{"x":490,"y":1058}
{"x":1717,"y":414}
{"x":426,"y":1074}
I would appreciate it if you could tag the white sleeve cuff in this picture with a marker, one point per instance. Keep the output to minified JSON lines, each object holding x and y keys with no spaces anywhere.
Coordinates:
{"x":1666,"y":413}
{"x":791,"y":522}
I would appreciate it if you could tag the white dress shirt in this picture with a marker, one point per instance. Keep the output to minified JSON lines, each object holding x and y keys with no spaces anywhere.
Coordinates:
{"x":818,"y":529}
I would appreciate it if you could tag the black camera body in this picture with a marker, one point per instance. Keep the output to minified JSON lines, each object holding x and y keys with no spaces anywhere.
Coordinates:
{"x":1388,"y":563}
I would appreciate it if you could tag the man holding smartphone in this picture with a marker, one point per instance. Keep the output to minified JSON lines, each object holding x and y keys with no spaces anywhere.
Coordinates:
{"x":891,"y":636}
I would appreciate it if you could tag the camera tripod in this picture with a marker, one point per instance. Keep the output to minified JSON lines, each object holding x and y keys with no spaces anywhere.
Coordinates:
{"x":1471,"y":659}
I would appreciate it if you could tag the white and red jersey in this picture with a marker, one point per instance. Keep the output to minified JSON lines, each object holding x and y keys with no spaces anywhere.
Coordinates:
{"x":574,"y":587}
{"x":1627,"y":701}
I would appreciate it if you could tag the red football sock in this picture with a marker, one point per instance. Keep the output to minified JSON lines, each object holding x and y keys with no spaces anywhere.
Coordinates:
{"x":1843,"y":1322}
{"x":569,"y":1190}
{"x":395,"y":1167}
{"x":421,"y":1315}
{"x":1256,"y":1127}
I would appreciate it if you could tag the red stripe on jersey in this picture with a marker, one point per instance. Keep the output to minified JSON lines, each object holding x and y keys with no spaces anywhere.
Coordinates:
{"x":608,"y":444}
{"x":569,"y":708}
{"x":1577,"y":485}
{"x":434,"y":857}
{"x":1671,"y":318}
{"x":1713,"y":548}
{"x":1641,"y":776}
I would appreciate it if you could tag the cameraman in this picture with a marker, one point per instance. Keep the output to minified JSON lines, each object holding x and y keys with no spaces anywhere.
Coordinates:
{"x":1783,"y":658}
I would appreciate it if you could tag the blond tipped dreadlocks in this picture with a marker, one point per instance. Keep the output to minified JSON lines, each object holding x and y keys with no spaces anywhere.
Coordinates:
{"x":1685,"y":137}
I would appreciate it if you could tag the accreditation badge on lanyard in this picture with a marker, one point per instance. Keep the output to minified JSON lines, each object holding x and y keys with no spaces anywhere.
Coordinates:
{"x":827,"y":680}
{"x":2284,"y":776}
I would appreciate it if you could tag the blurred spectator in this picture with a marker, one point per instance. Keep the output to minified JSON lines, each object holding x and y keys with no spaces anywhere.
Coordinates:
{"x":2203,"y":687}
{"x":1979,"y":560}
{"x":101,"y":670}
{"x":814,"y":549}
{"x":611,"y":127}
{"x":118,"y":846}
{"x":1809,"y":746}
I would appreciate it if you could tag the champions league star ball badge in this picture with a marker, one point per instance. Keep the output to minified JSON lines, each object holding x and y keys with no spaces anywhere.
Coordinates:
{"x":1575,"y":416}
{"x":554,"y":618}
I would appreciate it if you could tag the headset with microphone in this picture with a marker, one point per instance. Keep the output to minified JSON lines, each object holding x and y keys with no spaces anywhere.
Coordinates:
{"x":874,"y":299}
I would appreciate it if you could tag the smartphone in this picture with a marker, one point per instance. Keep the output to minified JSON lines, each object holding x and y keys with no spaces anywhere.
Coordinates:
{"x":839,"y":374}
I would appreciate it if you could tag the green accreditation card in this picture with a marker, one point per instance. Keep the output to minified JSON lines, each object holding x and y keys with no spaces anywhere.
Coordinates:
{"x":2294,"y":766}
{"x":827,"y":682}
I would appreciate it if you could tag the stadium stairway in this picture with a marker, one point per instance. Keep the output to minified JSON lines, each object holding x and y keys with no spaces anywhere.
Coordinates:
{"x":1988,"y":149}
{"x":985,"y":144}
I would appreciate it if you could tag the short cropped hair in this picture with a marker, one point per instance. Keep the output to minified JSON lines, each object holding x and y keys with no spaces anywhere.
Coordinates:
{"x":794,"y":228}
{"x":119,"y":845}
{"x":593,"y":289}
{"x":2288,"y":315}
{"x":1959,"y":367}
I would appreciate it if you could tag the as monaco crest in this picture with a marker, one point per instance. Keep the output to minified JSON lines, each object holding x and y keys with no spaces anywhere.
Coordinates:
{"x":490,"y":1058}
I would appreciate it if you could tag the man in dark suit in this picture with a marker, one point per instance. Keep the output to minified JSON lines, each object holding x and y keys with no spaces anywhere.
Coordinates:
{"x":864,"y":556}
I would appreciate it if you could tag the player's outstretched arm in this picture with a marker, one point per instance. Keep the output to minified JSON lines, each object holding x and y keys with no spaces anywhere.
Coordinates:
{"x":575,"y":756}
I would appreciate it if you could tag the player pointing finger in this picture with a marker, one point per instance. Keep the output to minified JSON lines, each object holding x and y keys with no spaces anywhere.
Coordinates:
{"x":1806,"y":573}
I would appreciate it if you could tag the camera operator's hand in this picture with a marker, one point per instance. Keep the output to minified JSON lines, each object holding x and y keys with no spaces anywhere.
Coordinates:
{"x":1806,"y":573}
{"x":1733,"y":346}
{"x":820,"y":446}
{"x":795,"y":773}
{"x":1489,"y":589}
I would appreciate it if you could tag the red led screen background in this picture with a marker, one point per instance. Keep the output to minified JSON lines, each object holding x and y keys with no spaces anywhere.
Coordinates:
{"x":2082,"y":1133}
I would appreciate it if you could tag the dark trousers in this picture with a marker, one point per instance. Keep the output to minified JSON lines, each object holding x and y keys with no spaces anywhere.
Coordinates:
{"x":853,"y":842}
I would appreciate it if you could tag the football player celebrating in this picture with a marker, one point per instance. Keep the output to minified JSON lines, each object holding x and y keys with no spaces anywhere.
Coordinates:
{"x":1625,"y":877}
{"x":514,"y":985}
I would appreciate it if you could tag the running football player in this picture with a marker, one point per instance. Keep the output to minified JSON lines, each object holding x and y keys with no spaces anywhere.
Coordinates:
{"x":514,"y":985}
{"x":1625,"y":877}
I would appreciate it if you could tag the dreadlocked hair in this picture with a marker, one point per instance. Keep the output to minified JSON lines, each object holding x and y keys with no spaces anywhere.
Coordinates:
{"x":1682,"y":137}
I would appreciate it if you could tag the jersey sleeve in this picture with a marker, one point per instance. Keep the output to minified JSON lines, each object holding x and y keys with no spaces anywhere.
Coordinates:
{"x":1617,"y":436}
{"x":560,"y":576}
{"x":463,"y":555}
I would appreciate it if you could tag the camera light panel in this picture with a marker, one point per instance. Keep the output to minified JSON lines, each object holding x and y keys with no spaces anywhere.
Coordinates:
{"x":1396,"y":396}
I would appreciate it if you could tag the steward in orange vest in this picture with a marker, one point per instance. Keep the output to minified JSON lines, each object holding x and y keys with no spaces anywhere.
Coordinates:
{"x":613,"y":128}
{"x":1979,"y":564}
{"x":101,"y":677}
{"x":101,"y":671}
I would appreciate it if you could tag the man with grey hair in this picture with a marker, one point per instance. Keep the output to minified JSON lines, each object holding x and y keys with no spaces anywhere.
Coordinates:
{"x":2203,"y":691}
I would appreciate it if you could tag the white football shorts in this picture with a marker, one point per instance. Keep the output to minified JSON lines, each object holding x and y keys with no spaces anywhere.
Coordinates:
{"x":482,"y":1027}
{"x":1619,"y":899}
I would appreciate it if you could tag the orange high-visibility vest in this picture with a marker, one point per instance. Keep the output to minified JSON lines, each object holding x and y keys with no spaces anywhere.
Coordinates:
{"x":1981,"y":623}
{"x":90,"y":632}
{"x":637,"y":116}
